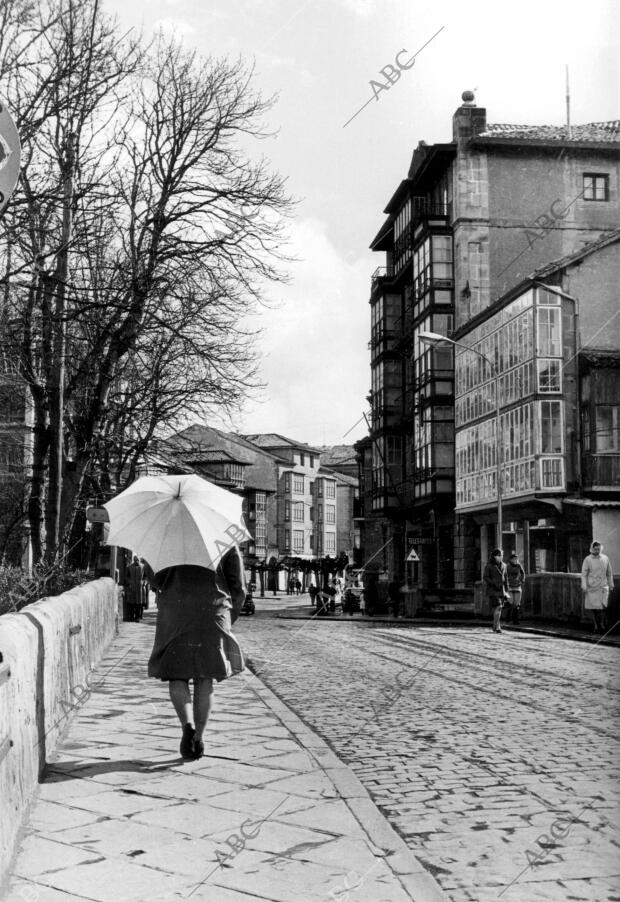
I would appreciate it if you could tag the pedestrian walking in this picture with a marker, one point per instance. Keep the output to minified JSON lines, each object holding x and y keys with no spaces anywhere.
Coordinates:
{"x":133,"y":590}
{"x":334,"y":594}
{"x":496,"y":583}
{"x":322,"y":602}
{"x":298,"y":586}
{"x":312,"y":590}
{"x":516,"y":577}
{"x":193,"y":638}
{"x":597,"y":580}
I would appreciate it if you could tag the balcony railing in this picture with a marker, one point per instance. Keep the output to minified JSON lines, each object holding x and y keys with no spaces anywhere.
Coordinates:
{"x":382,"y":335}
{"x":382,"y":272}
{"x":423,"y":208}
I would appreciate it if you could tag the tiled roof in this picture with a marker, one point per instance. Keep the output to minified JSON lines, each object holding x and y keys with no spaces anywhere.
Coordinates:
{"x":594,"y":132}
{"x":331,"y":455}
{"x":275,"y":440}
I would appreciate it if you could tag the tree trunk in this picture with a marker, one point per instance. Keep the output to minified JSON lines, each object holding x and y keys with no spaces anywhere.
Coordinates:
{"x":59,"y":350}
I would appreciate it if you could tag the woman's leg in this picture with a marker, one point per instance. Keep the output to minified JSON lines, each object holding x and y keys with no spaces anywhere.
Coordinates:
{"x":203,"y":695}
{"x":497,"y":613}
{"x":182,"y":700}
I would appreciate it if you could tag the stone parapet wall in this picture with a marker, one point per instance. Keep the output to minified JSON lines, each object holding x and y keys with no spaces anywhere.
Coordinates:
{"x":48,"y":651}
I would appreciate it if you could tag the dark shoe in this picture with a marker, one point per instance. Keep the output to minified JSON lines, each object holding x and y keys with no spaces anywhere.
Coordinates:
{"x":199,"y":748}
{"x":187,"y":743}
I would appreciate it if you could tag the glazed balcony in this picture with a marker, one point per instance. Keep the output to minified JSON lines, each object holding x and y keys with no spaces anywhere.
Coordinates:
{"x":601,"y":471}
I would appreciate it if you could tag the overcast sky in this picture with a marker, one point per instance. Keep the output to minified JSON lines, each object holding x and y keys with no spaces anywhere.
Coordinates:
{"x":320,"y":56}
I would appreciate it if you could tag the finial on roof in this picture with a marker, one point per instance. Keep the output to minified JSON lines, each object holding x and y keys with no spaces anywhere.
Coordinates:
{"x":468,"y":97}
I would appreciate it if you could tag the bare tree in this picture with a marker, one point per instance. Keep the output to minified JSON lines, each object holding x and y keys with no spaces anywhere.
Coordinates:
{"x":141,"y":234}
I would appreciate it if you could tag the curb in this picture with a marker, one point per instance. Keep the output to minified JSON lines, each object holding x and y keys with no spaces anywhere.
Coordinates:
{"x":591,"y":638}
{"x":407,"y":870}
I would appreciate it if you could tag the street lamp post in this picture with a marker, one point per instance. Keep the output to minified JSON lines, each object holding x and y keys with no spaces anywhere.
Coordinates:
{"x":434,"y":339}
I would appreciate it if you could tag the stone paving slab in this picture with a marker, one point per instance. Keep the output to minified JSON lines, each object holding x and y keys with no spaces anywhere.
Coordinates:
{"x":270,"y":812}
{"x":474,"y":746}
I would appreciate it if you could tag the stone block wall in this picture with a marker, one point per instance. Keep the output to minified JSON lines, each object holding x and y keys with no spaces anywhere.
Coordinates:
{"x":47,"y":653}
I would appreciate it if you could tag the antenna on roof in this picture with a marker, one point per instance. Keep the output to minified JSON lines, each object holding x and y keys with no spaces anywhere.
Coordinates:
{"x":568,"y":128}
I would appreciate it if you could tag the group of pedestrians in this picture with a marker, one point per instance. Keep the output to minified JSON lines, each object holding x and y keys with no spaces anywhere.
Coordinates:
{"x":504,"y":584}
{"x":328,"y":599}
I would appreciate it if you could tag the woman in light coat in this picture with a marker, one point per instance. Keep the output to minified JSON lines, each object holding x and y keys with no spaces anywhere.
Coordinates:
{"x":597,"y":580}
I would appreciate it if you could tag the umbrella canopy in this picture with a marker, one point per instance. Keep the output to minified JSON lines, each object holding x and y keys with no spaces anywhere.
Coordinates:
{"x":173,"y":520}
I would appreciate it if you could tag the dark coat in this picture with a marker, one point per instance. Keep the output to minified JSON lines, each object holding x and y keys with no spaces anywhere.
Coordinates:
{"x":515,"y":574}
{"x":133,"y":584}
{"x":195,"y":609}
{"x":495,"y":580}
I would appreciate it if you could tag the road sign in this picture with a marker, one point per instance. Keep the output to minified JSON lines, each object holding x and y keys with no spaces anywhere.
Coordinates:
{"x":412,"y":556}
{"x":97,"y":515}
{"x":9,"y":155}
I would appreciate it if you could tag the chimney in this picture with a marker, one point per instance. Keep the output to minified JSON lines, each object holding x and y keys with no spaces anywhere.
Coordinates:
{"x":469,"y":120}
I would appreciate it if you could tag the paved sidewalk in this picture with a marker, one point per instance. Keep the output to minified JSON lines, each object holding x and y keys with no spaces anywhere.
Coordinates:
{"x":270,"y":813}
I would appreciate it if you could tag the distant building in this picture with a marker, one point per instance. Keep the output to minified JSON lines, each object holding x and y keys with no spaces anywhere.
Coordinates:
{"x":471,"y":220}
{"x":307,"y":503}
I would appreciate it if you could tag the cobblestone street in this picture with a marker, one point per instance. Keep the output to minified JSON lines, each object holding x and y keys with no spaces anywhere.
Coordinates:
{"x":495,"y":757}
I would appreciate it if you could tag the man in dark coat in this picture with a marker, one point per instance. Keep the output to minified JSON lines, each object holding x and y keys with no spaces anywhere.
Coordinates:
{"x":496,"y":583}
{"x":133,"y":589}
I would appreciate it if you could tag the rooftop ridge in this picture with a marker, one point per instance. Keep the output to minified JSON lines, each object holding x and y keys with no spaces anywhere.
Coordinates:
{"x":608,"y":130}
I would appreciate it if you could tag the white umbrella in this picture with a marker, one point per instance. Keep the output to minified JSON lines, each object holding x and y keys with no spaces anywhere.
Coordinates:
{"x":173,"y":520}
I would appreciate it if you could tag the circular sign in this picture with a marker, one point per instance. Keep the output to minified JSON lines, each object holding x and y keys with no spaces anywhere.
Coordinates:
{"x":9,"y":155}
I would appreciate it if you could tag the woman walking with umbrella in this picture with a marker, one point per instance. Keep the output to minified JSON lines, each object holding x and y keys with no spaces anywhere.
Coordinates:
{"x":186,"y":529}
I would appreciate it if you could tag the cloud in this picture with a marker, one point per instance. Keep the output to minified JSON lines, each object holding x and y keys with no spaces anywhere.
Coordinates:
{"x":315,"y":344}
{"x":362,"y":8}
{"x":174,"y":27}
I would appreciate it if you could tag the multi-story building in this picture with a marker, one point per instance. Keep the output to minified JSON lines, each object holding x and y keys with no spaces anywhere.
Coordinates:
{"x":472,"y":219}
{"x":307,"y":502}
{"x":554,"y":341}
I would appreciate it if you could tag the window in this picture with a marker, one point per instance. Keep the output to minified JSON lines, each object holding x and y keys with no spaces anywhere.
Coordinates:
{"x":607,"y":428}
{"x":287,"y":483}
{"x":302,"y":460}
{"x":319,"y":488}
{"x":287,"y":510}
{"x":551,"y":427}
{"x":298,"y":484}
{"x":311,"y":460}
{"x":552,"y":473}
{"x":287,"y":540}
{"x":595,"y":186}
{"x":298,"y":511}
{"x":549,"y":377}
{"x":330,"y":513}
{"x":330,"y":542}
{"x":298,"y":540}
{"x":549,"y":339}
{"x":319,"y":513}
{"x":233,"y":472}
{"x":311,"y":541}
{"x":330,"y":489}
{"x":442,"y":256}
